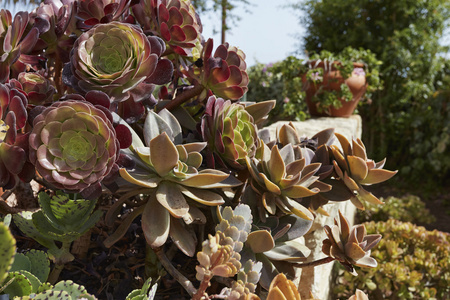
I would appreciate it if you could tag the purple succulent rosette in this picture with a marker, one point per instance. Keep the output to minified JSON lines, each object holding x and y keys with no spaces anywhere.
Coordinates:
{"x":225,"y":72}
{"x":119,"y":60}
{"x":93,"y":12}
{"x":175,"y":21}
{"x":13,"y":40}
{"x":73,"y":145}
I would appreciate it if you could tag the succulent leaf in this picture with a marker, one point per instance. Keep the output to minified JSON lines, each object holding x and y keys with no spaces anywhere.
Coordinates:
{"x":7,"y":251}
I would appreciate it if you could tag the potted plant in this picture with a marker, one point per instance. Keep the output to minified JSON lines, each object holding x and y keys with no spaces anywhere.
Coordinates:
{"x":335,"y":83}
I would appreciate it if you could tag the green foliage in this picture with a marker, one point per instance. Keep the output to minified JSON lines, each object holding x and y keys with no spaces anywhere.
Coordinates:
{"x":413,"y":264}
{"x":7,"y":251}
{"x":406,"y":209}
{"x":405,"y":36}
{"x":147,"y":292}
{"x":279,"y":81}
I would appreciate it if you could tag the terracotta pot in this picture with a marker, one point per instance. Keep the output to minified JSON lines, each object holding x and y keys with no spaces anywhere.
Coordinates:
{"x":332,"y":81}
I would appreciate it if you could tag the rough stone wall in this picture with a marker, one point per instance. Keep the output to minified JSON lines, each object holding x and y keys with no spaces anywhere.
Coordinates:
{"x":318,"y":279}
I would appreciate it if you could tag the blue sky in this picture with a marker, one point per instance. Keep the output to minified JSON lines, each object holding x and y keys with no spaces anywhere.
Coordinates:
{"x":268,"y":33}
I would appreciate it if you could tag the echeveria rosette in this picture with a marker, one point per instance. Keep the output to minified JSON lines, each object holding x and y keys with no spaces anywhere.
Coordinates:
{"x":13,"y":144}
{"x":279,"y":180}
{"x":224,"y":72}
{"x":229,"y":131}
{"x":171,"y":171}
{"x":175,"y":21}
{"x":73,"y":145}
{"x":13,"y":40}
{"x":350,"y":246}
{"x":355,"y":170}
{"x":120,"y":60}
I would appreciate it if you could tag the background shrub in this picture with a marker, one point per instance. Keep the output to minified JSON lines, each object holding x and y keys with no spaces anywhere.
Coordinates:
{"x":412,"y":264}
{"x":408,"y":208}
{"x":409,"y":121}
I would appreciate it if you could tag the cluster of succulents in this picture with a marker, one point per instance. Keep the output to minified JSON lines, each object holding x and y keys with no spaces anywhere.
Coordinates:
{"x":122,"y":106}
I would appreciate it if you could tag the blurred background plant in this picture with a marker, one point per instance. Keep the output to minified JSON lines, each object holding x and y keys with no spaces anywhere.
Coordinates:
{"x":413,"y":264}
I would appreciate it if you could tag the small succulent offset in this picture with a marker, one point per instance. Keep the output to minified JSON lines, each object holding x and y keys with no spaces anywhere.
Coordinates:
{"x":350,"y":246}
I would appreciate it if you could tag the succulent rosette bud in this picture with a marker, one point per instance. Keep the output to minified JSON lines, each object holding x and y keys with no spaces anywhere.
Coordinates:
{"x":37,"y":88}
{"x":13,"y":40}
{"x":175,"y":21}
{"x":224,"y":72}
{"x":350,"y":246}
{"x":73,"y":145}
{"x":119,"y":60}
{"x":230,"y":132}
{"x":13,"y":145}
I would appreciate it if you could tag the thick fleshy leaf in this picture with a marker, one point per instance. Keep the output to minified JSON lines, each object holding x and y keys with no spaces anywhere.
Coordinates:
{"x":344,"y":143}
{"x":298,"y":191}
{"x":298,"y":209}
{"x":377,"y":175}
{"x":182,"y":237}
{"x":276,"y":166}
{"x":205,"y":178}
{"x":123,"y":227}
{"x":202,"y":196}
{"x":368,"y":197}
{"x":163,"y":154}
{"x":293,"y":251}
{"x":358,"y":168}
{"x":155,"y":223}
{"x":260,"y":110}
{"x":260,"y":241}
{"x":169,"y":196}
{"x":147,"y":180}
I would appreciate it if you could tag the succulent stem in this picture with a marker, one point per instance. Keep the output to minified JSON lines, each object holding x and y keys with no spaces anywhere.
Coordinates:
{"x":315,"y":263}
{"x":185,"y":283}
{"x":185,"y":96}
{"x":202,"y":288}
{"x":54,"y":274}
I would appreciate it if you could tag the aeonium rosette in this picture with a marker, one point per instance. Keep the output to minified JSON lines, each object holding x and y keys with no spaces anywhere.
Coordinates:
{"x":118,"y":59}
{"x":225,"y":71}
{"x":175,"y":21}
{"x":73,"y":144}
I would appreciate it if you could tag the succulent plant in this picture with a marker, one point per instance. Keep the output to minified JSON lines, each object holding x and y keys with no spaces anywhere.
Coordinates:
{"x":118,"y":59}
{"x":13,"y":40}
{"x":279,"y":180}
{"x":175,"y":21}
{"x":224,"y":72}
{"x":230,"y":132}
{"x":220,"y":253}
{"x":37,"y":88}
{"x":60,"y":219}
{"x":73,"y":145}
{"x":14,"y":164}
{"x":170,"y":173}
{"x":92,"y":12}
{"x":354,"y":170}
{"x":62,"y":290}
{"x":350,"y":246}
{"x":54,"y":19}
{"x":283,"y":289}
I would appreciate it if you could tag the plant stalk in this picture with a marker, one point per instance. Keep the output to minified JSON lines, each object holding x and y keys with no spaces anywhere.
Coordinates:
{"x":315,"y":263}
{"x":185,"y":283}
{"x":185,"y":96}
